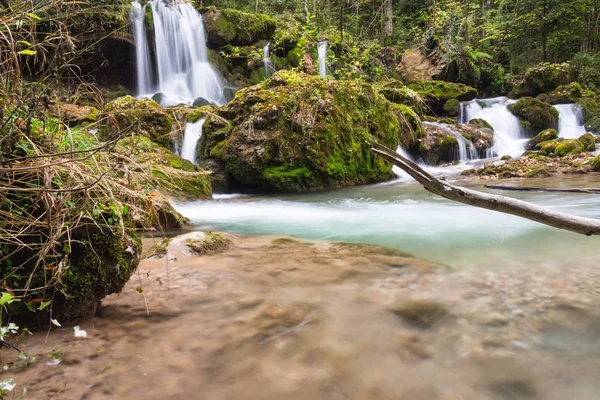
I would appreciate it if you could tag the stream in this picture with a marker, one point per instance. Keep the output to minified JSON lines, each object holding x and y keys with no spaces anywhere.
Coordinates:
{"x":402,"y":215}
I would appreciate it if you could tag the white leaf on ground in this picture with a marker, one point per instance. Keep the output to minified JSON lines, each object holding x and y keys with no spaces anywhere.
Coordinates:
{"x":79,"y":333}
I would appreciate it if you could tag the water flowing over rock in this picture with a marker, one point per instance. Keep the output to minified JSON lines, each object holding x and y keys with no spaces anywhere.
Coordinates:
{"x":322,"y":52}
{"x":508,"y":132}
{"x":142,"y":52}
{"x":570,"y":121}
{"x":268,"y":64}
{"x":191,"y":136}
{"x":181,"y":57}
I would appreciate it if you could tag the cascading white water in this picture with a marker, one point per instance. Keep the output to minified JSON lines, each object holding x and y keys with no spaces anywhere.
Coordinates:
{"x":570,"y":121}
{"x":184,"y":72}
{"x":142,"y":52}
{"x":322,"y":52}
{"x":268,"y":64}
{"x":466,"y":149}
{"x":191,"y":135}
{"x":508,"y":133}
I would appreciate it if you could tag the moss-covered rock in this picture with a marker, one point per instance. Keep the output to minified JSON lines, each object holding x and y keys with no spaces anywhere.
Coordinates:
{"x":591,"y":113}
{"x":542,"y":78}
{"x":481,"y":137}
{"x":143,"y":116}
{"x":452,"y":108}
{"x":298,"y":132}
{"x":564,"y":147}
{"x":596,"y":163}
{"x":481,"y":123}
{"x":543,"y":136}
{"x":228,"y":26}
{"x":396,"y":92}
{"x":437,"y":93}
{"x":438,"y":146}
{"x":99,"y":262}
{"x":564,"y":94}
{"x":175,"y":177}
{"x":73,"y":114}
{"x":535,"y":115}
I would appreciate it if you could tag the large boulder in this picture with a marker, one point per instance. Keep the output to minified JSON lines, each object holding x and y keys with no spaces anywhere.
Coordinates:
{"x":564,"y":147}
{"x":542,"y":78}
{"x":297,"y":132}
{"x":438,"y":146}
{"x":142,"y":116}
{"x":228,"y":26}
{"x":535,"y":115}
{"x":396,"y":92}
{"x":564,"y":94}
{"x":437,"y":93}
{"x":543,"y":136}
{"x":482,"y":137}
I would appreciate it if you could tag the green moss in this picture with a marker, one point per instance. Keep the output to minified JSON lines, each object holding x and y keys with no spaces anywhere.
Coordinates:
{"x":144,"y":116}
{"x":437,"y":93}
{"x":569,"y":146}
{"x":211,"y":243}
{"x":229,"y":26}
{"x":588,"y":141}
{"x":537,"y":172}
{"x":571,"y":93}
{"x":481,"y":123}
{"x":542,"y":78}
{"x":596,"y":163}
{"x":543,"y":136}
{"x":536,"y":114}
{"x":452,"y":107}
{"x":299,"y":132}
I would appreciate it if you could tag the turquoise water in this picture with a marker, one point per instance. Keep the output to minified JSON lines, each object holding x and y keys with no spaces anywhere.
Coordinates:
{"x":404,"y":216}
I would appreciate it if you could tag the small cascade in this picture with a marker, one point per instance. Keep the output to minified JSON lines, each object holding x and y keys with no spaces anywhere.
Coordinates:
{"x":191,"y":136}
{"x":322,"y":51}
{"x":142,"y":52}
{"x":184,"y":72}
{"x":466,"y":149}
{"x":570,"y":121}
{"x":509,"y":138}
{"x":268,"y":64}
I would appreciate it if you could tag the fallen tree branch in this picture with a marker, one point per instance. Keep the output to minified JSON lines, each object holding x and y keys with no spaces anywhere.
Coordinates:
{"x":538,"y":189}
{"x":507,"y":205}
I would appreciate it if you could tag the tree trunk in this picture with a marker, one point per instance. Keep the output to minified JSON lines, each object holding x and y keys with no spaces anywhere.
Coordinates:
{"x":507,"y":205}
{"x":256,"y":4}
{"x":388,"y":18}
{"x":314,"y":9}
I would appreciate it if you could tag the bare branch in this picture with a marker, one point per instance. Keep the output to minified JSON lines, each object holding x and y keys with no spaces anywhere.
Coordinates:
{"x":507,"y":205}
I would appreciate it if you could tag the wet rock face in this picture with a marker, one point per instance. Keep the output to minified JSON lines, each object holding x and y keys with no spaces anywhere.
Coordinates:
{"x":535,"y":115}
{"x":438,"y":146}
{"x":479,"y":133}
{"x":298,"y":132}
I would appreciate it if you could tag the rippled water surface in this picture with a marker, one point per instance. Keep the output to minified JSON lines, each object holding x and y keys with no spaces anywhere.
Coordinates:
{"x":404,"y":216}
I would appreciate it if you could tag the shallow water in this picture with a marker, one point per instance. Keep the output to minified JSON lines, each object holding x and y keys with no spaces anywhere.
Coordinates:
{"x":403,"y":216}
{"x":280,"y":319}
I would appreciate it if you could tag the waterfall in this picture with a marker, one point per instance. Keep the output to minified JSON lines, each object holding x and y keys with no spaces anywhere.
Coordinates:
{"x":570,"y":121}
{"x":191,"y":135}
{"x":508,"y":133}
{"x":184,"y":72}
{"x":142,"y":52}
{"x":466,"y":149}
{"x":322,"y":51}
{"x":268,"y":64}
